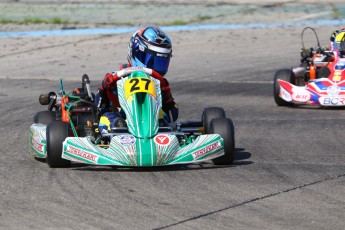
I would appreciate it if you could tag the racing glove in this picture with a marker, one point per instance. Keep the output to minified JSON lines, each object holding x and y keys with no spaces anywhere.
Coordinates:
{"x":102,"y":102}
{"x":171,"y":109}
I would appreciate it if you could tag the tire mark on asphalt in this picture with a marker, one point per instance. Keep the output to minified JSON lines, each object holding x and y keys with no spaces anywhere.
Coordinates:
{"x":252,"y":200}
{"x":54,"y":46}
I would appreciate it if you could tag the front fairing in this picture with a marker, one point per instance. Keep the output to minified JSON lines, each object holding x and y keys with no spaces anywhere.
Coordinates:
{"x":141,"y":100}
{"x":322,"y":92}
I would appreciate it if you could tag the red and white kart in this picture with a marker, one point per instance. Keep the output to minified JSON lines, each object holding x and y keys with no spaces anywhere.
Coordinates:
{"x":319,"y":80}
{"x":327,"y":89}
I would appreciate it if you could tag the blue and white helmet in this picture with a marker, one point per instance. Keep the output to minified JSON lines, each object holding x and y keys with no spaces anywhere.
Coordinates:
{"x":150,"y":47}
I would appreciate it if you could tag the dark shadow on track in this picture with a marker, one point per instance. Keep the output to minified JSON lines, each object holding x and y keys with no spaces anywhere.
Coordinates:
{"x":43,"y":160}
{"x":240,"y":159}
{"x":166,"y":168}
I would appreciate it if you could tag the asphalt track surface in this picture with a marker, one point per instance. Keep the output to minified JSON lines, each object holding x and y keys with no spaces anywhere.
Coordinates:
{"x":289,"y":171}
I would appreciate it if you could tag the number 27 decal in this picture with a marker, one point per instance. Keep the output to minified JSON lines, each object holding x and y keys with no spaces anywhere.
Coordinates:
{"x":139,"y":85}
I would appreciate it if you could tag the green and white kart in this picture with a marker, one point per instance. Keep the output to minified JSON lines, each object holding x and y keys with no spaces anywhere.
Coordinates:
{"x":143,"y":143}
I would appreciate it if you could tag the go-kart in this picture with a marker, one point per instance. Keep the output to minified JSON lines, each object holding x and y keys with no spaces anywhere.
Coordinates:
{"x":68,"y":131}
{"x":319,"y":80}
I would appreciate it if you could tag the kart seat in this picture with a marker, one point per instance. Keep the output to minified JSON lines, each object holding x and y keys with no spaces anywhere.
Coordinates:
{"x":324,"y":72}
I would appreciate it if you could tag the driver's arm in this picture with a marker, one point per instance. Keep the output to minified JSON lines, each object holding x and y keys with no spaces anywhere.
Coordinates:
{"x":168,"y":104}
{"x":166,"y":93}
{"x":105,"y":93}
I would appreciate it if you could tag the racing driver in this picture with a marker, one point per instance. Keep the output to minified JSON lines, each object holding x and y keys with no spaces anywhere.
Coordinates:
{"x":148,"y":47}
{"x":338,"y":38}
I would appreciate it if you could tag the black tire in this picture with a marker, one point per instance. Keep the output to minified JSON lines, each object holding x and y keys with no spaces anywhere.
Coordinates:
{"x":209,"y":114}
{"x":57,"y":131}
{"x":285,"y":75}
{"x":44,"y":117}
{"x":225,"y":128}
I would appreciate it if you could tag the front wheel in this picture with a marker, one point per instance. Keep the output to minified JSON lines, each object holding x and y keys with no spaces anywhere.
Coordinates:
{"x":285,"y":75}
{"x":45,"y":117}
{"x":57,"y":132}
{"x":225,"y":128}
{"x":209,"y":114}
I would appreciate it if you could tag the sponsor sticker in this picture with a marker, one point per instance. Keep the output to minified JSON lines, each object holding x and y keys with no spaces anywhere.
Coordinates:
{"x":162,"y":139}
{"x":82,"y":153}
{"x":336,"y":78}
{"x":300,"y":95}
{"x":340,"y":66}
{"x":38,"y":146}
{"x":127,"y":140}
{"x":337,"y":73}
{"x":206,"y":149}
{"x":333,"y":90}
{"x":141,"y":48}
{"x":333,"y":101}
{"x":285,"y":94}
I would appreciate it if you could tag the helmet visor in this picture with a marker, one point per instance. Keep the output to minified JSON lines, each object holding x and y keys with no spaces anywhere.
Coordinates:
{"x":153,"y":60}
{"x":157,"y":63}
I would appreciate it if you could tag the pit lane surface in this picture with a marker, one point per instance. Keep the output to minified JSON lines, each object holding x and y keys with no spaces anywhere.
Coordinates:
{"x":290,"y":167}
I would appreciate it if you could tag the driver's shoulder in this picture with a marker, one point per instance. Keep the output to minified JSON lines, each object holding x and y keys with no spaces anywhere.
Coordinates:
{"x":124,"y":66}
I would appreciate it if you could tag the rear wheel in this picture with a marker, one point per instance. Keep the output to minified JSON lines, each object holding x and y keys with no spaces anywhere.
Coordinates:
{"x":285,"y":75}
{"x":225,"y":128}
{"x":57,"y":132}
{"x":44,"y":117}
{"x":209,"y":114}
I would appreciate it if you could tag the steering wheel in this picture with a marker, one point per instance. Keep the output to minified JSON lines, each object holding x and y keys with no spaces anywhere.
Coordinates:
{"x":125,"y":72}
